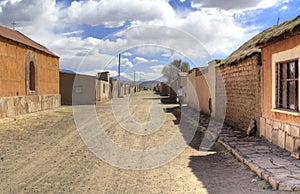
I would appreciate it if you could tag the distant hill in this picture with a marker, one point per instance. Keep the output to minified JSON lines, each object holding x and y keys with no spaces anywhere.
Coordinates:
{"x":149,"y":84}
{"x":122,"y":79}
{"x":67,"y":71}
{"x":162,"y":79}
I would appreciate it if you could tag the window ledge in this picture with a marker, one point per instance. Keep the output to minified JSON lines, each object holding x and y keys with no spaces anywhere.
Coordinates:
{"x":286,"y":112}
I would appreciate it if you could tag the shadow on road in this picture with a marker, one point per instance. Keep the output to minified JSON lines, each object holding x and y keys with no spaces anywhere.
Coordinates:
{"x":217,"y":169}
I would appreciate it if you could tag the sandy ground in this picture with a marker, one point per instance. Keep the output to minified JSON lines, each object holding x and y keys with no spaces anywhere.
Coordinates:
{"x":44,"y":153}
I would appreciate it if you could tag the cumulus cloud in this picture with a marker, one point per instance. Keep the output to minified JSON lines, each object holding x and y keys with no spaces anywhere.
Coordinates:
{"x":284,"y":8}
{"x":234,"y":4}
{"x":157,"y":68}
{"x":116,"y":13}
{"x":126,"y":63}
{"x":153,"y":28}
{"x":127,"y":54}
{"x":140,"y":60}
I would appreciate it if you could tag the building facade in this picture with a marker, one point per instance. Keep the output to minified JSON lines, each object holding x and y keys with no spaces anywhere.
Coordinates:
{"x":29,"y":75}
{"x":280,"y":121}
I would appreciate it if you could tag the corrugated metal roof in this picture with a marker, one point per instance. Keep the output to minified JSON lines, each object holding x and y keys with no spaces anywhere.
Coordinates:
{"x":17,"y":36}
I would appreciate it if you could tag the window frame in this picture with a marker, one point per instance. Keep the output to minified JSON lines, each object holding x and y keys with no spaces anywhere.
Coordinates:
{"x":279,"y":82}
{"x":32,"y":77}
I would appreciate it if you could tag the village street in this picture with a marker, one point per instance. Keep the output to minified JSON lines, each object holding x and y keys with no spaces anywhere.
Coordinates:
{"x":44,"y":153}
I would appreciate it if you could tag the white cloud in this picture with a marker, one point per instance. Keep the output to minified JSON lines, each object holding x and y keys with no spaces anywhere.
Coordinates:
{"x":126,"y":63}
{"x":157,"y":68}
{"x":211,"y":28}
{"x":116,"y":13}
{"x":284,"y":8}
{"x":126,"y":75}
{"x":77,"y":32}
{"x":234,"y":4}
{"x":140,"y":60}
{"x":127,"y":54}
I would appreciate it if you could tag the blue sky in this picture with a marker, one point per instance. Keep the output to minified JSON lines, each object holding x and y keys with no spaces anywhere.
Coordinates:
{"x":88,"y":35}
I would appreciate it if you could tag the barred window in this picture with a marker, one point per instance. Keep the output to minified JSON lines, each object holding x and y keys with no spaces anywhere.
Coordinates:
{"x":287,"y":85}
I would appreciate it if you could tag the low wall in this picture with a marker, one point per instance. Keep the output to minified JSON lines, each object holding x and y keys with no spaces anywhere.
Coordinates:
{"x":283,"y":134}
{"x":13,"y":106}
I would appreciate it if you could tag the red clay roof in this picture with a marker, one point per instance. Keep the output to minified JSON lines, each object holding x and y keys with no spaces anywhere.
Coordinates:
{"x":21,"y":38}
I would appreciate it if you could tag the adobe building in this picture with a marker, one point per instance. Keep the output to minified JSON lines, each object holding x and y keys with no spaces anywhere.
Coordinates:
{"x":241,"y":75}
{"x":103,"y":87}
{"x":280,"y":120}
{"x":29,"y":75}
{"x":79,"y":89}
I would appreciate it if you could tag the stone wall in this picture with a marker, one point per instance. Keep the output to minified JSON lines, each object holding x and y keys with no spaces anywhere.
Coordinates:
{"x":283,"y":134}
{"x":14,"y":106}
{"x":243,"y":91}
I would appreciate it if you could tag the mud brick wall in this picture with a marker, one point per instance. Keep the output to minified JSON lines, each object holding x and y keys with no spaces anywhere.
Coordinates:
{"x":14,"y":106}
{"x":243,"y":91}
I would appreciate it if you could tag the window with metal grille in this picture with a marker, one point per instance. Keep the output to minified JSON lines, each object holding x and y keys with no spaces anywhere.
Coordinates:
{"x":287,"y":83}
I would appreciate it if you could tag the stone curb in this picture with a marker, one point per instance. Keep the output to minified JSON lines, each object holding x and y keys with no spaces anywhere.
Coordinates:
{"x":278,"y":180}
{"x":273,"y":182}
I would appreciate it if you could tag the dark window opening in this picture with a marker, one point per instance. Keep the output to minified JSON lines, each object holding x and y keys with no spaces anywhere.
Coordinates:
{"x":31,"y":76}
{"x":287,"y":83}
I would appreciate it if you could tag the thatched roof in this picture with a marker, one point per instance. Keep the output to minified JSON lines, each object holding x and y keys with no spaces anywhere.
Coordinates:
{"x":18,"y":37}
{"x":290,"y":27}
{"x":252,"y":46}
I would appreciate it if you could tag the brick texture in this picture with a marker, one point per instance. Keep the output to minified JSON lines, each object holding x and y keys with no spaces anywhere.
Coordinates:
{"x":243,"y":90}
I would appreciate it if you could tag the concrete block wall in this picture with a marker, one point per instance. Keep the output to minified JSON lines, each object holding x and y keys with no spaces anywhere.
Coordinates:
{"x":18,"y":105}
{"x":285,"y":135}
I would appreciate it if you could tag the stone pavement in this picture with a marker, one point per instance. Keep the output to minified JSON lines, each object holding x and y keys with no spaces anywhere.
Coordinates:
{"x":270,"y":162}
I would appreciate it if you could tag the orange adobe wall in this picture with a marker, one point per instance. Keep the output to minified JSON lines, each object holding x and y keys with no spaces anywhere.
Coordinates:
{"x":280,"y":128}
{"x":267,"y":52}
{"x":13,"y":70}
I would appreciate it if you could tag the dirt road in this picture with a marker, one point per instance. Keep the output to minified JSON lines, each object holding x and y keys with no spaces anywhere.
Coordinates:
{"x":44,"y":153}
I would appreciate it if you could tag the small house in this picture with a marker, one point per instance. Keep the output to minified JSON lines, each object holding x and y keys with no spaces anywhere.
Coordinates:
{"x":80,"y":89}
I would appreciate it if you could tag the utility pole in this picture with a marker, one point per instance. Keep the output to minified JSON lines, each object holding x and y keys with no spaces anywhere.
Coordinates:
{"x":119,"y":75}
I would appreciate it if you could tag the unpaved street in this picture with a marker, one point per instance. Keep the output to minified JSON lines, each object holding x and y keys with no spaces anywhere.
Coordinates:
{"x":44,"y":153}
